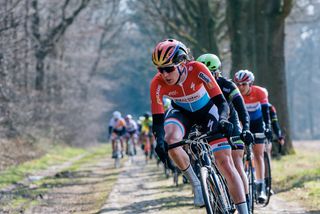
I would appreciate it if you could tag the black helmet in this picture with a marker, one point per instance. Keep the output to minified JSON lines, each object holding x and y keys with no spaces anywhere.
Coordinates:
{"x":147,"y":115}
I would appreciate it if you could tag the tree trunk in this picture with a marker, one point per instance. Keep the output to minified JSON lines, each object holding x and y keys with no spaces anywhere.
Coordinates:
{"x":261,"y":41}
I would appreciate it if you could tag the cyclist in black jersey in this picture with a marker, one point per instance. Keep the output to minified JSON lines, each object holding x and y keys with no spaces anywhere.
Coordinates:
{"x":237,"y":112}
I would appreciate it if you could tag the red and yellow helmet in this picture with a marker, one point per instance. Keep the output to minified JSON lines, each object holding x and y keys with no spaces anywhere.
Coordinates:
{"x":169,"y":52}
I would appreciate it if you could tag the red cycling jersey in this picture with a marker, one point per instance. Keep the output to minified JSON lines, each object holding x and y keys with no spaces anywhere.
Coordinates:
{"x":256,"y":97}
{"x":192,"y":94}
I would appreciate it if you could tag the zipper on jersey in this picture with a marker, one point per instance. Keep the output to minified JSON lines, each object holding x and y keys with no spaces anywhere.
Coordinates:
{"x":184,"y":93}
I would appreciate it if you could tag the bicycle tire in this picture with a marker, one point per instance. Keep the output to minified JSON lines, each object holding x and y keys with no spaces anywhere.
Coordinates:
{"x":251,"y":185}
{"x":176,"y":177}
{"x":118,"y":155}
{"x":214,"y":193}
{"x":268,"y":177}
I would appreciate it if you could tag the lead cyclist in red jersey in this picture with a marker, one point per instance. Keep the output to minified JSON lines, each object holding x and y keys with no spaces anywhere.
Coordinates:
{"x":257,"y":104}
{"x":196,"y":99}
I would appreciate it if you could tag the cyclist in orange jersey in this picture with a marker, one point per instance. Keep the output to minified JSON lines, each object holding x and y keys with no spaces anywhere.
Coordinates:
{"x":256,"y":100}
{"x":196,"y":99}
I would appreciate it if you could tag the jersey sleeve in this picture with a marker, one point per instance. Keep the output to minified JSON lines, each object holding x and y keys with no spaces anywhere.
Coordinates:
{"x":263,"y":96}
{"x":234,"y":91}
{"x":156,"y":97}
{"x":208,"y":80}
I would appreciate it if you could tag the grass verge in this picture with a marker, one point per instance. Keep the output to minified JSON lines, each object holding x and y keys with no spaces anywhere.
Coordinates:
{"x":28,"y":196}
{"x":297,"y":176}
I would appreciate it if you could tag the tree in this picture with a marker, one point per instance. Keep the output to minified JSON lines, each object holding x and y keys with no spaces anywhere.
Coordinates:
{"x":257,"y":43}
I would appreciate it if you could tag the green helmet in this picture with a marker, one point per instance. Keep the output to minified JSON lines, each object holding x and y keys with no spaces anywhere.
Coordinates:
{"x":212,"y":62}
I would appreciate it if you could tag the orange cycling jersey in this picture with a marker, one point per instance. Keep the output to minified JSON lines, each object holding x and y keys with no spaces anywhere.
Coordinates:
{"x":191,"y":94}
{"x":118,"y":125}
{"x":256,"y":97}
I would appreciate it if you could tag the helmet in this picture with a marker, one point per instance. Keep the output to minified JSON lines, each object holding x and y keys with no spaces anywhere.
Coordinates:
{"x":116,"y":115}
{"x":166,"y":102}
{"x":243,"y":76}
{"x":128,"y":117}
{"x":212,"y":62}
{"x":169,"y":52}
{"x":146,"y":115}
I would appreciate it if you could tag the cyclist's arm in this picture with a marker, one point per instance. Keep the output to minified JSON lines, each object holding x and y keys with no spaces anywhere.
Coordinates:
{"x":158,"y":127}
{"x":266,"y":114}
{"x":110,"y":130}
{"x":223,"y":107}
{"x":274,"y":122}
{"x":263,"y":98}
{"x":240,"y":107}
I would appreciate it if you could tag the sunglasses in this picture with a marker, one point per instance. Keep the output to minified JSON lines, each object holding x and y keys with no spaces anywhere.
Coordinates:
{"x":168,"y":69}
{"x":242,"y":83}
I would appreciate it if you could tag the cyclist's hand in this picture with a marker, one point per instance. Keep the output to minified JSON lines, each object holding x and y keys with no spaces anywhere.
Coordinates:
{"x":226,"y":127}
{"x":247,"y":137}
{"x":268,"y":133}
{"x":281,"y":140}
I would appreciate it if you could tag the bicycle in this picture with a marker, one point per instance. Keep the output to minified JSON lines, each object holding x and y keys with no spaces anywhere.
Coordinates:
{"x":131,"y":149}
{"x":214,"y":188}
{"x":250,"y":172}
{"x":118,"y":154}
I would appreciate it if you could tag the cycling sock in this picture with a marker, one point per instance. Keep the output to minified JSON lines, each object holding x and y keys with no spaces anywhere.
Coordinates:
{"x":189,"y":173}
{"x":242,"y":208}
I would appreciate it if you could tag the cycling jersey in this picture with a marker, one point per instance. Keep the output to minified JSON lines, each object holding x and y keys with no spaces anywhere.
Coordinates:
{"x":193,"y":99}
{"x":131,"y":126}
{"x":117,"y":126}
{"x":191,"y":95}
{"x":146,"y":126}
{"x":257,"y":105}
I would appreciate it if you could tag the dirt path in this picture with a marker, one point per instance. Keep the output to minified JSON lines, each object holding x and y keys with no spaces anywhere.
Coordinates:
{"x":135,"y":188}
{"x":144,"y":189}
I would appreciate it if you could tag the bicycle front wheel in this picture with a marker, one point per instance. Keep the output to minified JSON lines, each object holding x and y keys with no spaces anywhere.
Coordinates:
{"x":213,"y":191}
{"x":251,"y":185}
{"x":267,"y":176}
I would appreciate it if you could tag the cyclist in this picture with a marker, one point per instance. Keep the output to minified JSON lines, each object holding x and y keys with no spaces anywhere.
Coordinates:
{"x":117,"y":128}
{"x":237,"y":111}
{"x":131,"y":128}
{"x":196,"y":99}
{"x":146,"y":135}
{"x":275,"y":128}
{"x":256,"y":100}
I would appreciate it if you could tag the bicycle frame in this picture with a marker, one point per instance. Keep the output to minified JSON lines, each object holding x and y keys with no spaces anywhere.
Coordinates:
{"x":215,"y":191}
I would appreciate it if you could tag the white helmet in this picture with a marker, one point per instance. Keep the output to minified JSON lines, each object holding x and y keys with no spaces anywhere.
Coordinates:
{"x":128,"y":117}
{"x":116,"y":114}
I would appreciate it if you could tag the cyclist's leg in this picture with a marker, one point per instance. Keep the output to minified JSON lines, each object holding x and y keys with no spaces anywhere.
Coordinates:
{"x":258,"y":149}
{"x":175,"y":130}
{"x":223,"y":158}
{"x":237,"y":156}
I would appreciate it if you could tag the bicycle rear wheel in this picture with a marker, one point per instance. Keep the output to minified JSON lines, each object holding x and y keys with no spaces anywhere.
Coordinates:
{"x":214,"y":192}
{"x":267,"y":177}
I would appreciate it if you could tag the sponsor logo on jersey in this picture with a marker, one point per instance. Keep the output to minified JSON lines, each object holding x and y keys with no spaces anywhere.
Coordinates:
{"x":227,"y":90}
{"x":158,"y":95}
{"x":172,"y":93}
{"x":204,"y":77}
{"x":193,"y":86}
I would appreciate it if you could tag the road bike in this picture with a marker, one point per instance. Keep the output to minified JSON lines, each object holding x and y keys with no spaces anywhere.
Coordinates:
{"x":215,"y":191}
{"x":118,"y":154}
{"x":250,"y":172}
